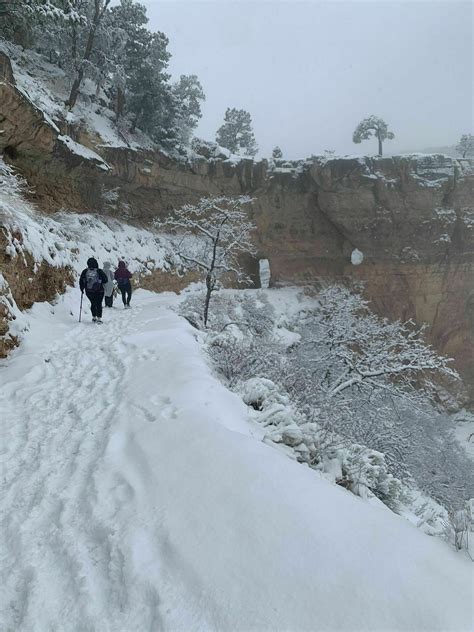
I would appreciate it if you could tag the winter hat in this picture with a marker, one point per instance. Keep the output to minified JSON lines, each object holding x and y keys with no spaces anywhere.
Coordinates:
{"x":92,"y":263}
{"x":106,"y":265}
{"x":122,"y":264}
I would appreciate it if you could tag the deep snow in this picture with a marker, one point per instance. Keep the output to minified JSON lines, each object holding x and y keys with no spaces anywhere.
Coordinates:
{"x":137,"y":498}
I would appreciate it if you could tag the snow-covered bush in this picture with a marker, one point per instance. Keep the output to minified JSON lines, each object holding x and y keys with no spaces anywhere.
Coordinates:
{"x":209,"y":150}
{"x":249,"y":311}
{"x":245,"y":351}
{"x":462,"y":524}
{"x":366,"y":470}
{"x":240,"y":341}
{"x":355,"y":467}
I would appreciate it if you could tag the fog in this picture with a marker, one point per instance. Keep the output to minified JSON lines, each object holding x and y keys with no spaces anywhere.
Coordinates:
{"x":308,"y":72}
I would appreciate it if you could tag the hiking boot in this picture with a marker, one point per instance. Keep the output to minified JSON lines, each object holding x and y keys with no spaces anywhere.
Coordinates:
{"x":99,"y":321}
{"x":94,"y":319}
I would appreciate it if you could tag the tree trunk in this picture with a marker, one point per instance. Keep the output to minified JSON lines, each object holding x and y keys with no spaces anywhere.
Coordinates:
{"x":74,"y":43}
{"x":98,"y":14}
{"x":380,"y":145}
{"x":71,"y":102}
{"x":210,"y":281}
{"x":136,"y":121}
{"x":208,"y":297}
{"x":119,"y":103}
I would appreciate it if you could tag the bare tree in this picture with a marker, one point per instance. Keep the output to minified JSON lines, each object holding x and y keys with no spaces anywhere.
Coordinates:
{"x":372,"y":126}
{"x":372,"y":352}
{"x":211,"y":237}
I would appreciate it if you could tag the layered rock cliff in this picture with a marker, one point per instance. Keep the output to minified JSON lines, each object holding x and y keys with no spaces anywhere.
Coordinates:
{"x":411,"y":217}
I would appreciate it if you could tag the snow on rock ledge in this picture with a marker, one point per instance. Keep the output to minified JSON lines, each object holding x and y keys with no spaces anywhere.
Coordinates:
{"x":83,"y":152}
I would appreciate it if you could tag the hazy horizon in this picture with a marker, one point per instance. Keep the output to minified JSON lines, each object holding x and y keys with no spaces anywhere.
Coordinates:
{"x":308,"y":72}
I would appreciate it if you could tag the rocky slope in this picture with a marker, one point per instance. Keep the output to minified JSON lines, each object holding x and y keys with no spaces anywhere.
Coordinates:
{"x":411,"y":217}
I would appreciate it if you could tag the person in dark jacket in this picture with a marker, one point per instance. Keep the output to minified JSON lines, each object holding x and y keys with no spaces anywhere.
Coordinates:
{"x":123,"y":276}
{"x":92,"y":281}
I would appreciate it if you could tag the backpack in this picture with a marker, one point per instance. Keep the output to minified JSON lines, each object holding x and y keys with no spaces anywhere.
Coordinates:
{"x":93,"y":281}
{"x":122,"y":281}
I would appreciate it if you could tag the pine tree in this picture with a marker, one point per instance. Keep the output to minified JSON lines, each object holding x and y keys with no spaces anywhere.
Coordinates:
{"x":236,"y":134}
{"x":277,"y":153}
{"x":151,"y":102}
{"x":20,"y":18}
{"x":129,"y":18}
{"x":188,"y":93}
{"x":372,"y":126}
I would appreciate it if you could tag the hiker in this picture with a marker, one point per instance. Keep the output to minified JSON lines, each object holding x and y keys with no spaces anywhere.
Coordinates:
{"x":109,"y":286}
{"x":123,"y":276}
{"x":92,"y":281}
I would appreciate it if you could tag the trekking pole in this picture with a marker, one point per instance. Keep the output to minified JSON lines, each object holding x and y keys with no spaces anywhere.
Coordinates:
{"x":80,"y":308}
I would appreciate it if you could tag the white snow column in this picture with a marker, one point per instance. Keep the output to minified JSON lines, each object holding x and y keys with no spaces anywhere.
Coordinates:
{"x":264,"y":273}
{"x":357,"y":257}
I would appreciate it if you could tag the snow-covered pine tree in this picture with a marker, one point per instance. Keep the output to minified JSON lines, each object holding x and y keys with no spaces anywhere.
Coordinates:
{"x":372,"y":126}
{"x":236,"y":134}
{"x":20,"y":19}
{"x":189,"y":94}
{"x":130,"y":18}
{"x":277,"y":153}
{"x":151,"y":103}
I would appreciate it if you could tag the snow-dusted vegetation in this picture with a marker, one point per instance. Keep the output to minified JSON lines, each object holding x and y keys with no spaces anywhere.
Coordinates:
{"x":63,"y":239}
{"x":211,"y":237}
{"x":348,"y":393}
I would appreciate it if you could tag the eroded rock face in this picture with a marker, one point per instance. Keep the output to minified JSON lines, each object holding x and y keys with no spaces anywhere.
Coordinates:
{"x":411,"y":217}
{"x":413,"y":220}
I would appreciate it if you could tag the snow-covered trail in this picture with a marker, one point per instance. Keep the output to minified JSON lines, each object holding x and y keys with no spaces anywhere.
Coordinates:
{"x":135,"y":499}
{"x":72,"y":475}
{"x":61,"y":537}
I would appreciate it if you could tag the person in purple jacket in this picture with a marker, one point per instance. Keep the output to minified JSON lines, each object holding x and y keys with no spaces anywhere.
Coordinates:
{"x":123,"y":276}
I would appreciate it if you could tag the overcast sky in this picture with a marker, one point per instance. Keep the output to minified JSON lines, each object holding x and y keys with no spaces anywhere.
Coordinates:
{"x":308,"y":72}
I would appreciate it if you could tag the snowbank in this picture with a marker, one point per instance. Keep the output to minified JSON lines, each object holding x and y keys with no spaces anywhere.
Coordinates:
{"x":68,"y":239}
